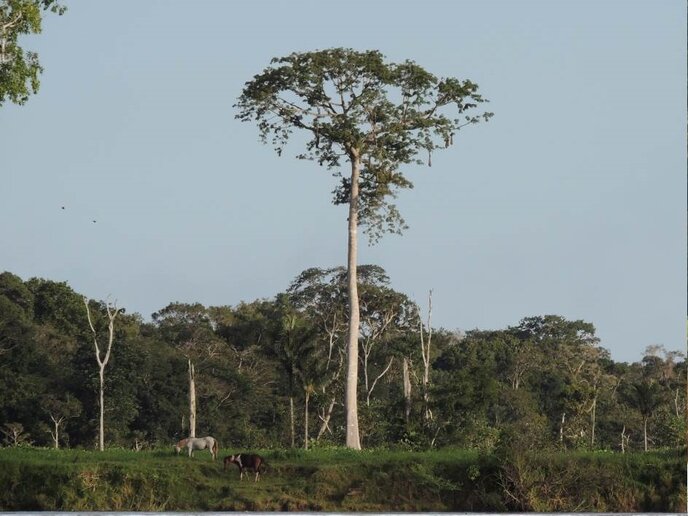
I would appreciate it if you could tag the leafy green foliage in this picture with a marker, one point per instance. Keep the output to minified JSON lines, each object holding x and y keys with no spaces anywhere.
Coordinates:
{"x":358,"y":107}
{"x":489,"y":390}
{"x":20,"y":69}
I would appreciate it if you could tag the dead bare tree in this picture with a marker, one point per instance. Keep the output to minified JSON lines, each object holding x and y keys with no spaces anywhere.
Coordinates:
{"x":425,"y":353}
{"x":372,"y":387}
{"x":373,"y":328}
{"x":407,"y":389}
{"x":327,"y":414}
{"x":14,"y":434}
{"x":55,"y":434}
{"x":112,"y":312}
{"x":192,"y":399}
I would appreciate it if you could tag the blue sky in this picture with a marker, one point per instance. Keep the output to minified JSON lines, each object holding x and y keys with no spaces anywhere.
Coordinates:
{"x":570,"y":201}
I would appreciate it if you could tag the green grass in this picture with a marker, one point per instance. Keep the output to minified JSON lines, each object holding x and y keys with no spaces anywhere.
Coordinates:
{"x":338,"y":479}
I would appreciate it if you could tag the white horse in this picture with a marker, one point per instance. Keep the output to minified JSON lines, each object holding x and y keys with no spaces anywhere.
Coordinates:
{"x":199,"y":443}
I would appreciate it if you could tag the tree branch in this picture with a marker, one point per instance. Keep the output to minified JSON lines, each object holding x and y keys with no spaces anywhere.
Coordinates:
{"x":372,"y":387}
{"x":10,"y":24}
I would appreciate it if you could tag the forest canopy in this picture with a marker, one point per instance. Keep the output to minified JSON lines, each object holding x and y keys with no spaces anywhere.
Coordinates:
{"x":269,"y":374}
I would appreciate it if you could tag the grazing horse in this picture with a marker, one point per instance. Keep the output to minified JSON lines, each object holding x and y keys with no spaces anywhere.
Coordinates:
{"x":180,"y":446}
{"x":199,"y":443}
{"x":246,"y":461}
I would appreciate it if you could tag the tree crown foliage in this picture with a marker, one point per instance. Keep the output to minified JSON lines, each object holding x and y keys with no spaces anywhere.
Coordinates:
{"x":358,"y":107}
{"x":19,"y":69}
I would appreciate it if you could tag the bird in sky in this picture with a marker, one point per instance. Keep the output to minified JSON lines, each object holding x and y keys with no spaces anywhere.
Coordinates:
{"x":62,"y":207}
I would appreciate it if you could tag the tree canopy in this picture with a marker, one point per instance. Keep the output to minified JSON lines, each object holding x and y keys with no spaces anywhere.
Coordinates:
{"x":355,"y":104}
{"x":270,"y":367}
{"x":20,"y":69}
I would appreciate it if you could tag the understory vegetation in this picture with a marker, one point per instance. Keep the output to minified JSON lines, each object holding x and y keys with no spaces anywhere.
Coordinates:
{"x":342,"y":480}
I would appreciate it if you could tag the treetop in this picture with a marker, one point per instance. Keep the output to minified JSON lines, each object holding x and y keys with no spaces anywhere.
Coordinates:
{"x":358,"y":107}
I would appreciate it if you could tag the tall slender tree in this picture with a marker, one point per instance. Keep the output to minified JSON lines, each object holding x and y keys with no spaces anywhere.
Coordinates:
{"x":379,"y":117}
{"x":112,"y":312}
{"x":646,"y":397}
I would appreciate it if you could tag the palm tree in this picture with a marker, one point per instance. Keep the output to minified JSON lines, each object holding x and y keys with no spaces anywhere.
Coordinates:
{"x":646,"y":397}
{"x":294,"y":345}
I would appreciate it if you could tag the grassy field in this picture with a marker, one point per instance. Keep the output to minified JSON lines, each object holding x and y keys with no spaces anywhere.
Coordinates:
{"x":341,"y":480}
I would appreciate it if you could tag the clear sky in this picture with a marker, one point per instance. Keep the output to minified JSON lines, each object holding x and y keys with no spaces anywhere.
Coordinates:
{"x":570,"y":201}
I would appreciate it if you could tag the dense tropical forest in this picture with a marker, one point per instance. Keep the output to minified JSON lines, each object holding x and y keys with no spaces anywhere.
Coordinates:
{"x":269,"y":374}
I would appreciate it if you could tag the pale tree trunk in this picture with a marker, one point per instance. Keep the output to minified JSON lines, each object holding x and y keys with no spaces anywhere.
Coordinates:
{"x":112,"y":312}
{"x":425,"y":352}
{"x":101,"y":397}
{"x":192,"y":400}
{"x":305,"y":420}
{"x":515,"y":381}
{"x":331,"y":338}
{"x":366,"y":384}
{"x":592,"y":420}
{"x":407,"y":390}
{"x":350,"y":400}
{"x":56,"y":433}
{"x":561,"y":428}
{"x":326,"y":419}
{"x":333,"y":401}
{"x":372,"y":387}
{"x":624,"y":439}
{"x":291,"y":419}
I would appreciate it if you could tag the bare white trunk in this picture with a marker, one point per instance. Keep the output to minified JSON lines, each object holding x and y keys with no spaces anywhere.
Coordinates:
{"x":372,"y":387}
{"x":305,"y":421}
{"x":561,"y":427}
{"x":112,"y":312}
{"x":592,"y":418}
{"x":407,"y":390}
{"x":425,"y":352}
{"x":326,"y":419}
{"x":192,"y":400}
{"x":291,"y":420}
{"x":366,"y":384}
{"x":331,"y":337}
{"x":516,"y":378}
{"x":624,"y":439}
{"x":55,"y":434}
{"x":350,"y":398}
{"x":101,"y":430}
{"x":333,"y":401}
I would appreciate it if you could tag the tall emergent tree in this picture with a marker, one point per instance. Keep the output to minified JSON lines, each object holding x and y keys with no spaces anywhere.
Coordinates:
{"x":378,"y":116}
{"x":19,"y":69}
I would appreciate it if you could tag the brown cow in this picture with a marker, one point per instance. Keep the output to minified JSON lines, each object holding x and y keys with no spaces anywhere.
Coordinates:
{"x":246,"y":461}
